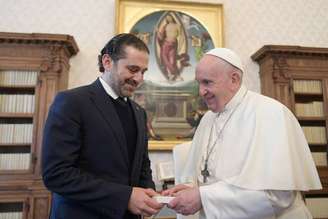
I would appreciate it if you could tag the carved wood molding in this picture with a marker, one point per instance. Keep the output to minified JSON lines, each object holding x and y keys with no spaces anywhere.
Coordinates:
{"x":53,"y":61}
{"x":280,"y":69}
{"x":284,"y":60}
{"x":288,"y":50}
{"x":40,"y":38}
{"x":47,"y":53}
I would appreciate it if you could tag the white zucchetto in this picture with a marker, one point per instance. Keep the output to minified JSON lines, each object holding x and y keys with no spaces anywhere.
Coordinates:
{"x":227,"y":55}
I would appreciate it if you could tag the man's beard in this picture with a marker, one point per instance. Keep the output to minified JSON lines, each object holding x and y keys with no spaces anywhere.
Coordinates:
{"x":128,"y":91}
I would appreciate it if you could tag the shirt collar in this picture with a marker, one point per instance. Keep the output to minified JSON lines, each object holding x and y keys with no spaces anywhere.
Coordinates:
{"x":236,"y":99}
{"x":109,"y":90}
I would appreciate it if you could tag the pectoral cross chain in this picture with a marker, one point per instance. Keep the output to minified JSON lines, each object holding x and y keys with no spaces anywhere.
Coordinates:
{"x":205,"y":173}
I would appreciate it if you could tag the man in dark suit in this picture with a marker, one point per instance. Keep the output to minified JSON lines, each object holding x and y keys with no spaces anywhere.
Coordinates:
{"x":95,"y":151}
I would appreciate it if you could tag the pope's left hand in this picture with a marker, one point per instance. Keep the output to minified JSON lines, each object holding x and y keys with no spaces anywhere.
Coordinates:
{"x":187,"y":201}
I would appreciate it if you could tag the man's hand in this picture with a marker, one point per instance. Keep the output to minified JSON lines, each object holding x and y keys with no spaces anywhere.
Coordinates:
{"x":142,"y":203}
{"x":187,"y":201}
{"x":175,"y":189}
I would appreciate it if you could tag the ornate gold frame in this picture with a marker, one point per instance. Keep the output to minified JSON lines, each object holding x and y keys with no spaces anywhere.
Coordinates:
{"x":210,"y":15}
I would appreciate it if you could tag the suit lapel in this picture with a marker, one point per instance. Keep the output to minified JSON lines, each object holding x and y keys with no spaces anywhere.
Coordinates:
{"x":140,"y":123}
{"x":105,"y":106}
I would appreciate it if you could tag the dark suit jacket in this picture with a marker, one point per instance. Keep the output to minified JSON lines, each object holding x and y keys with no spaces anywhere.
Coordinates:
{"x":85,"y":159}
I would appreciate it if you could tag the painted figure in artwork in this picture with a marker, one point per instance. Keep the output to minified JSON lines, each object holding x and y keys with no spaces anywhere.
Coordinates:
{"x":141,"y":99}
{"x":171,"y":46}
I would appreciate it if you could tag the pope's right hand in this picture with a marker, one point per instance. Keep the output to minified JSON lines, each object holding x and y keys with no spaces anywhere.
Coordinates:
{"x":174,"y":190}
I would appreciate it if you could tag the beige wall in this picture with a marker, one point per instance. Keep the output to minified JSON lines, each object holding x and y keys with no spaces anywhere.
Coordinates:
{"x":90,"y":22}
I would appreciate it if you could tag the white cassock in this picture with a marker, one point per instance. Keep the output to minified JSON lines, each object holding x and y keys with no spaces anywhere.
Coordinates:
{"x":259,"y":163}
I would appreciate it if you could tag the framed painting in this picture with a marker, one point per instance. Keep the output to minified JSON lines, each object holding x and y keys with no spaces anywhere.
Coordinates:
{"x":177,"y":34}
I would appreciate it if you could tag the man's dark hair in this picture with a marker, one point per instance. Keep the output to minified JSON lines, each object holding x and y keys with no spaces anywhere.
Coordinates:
{"x":115,"y":48}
